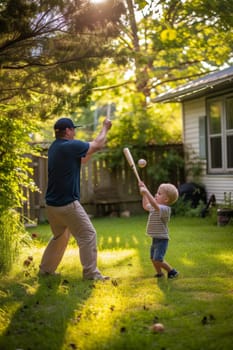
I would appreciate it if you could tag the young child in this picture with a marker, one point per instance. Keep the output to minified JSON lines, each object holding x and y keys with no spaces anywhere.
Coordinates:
{"x":159,"y":215}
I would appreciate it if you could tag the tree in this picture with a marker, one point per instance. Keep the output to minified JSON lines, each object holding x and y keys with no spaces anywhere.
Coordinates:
{"x":162,"y":43}
{"x":166,"y":41}
{"x":48,"y":44}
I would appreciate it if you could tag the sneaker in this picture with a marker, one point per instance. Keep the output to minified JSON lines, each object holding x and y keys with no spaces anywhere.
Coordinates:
{"x":172,"y":274}
{"x":101,"y":278}
{"x":158,"y":275}
{"x":98,"y":277}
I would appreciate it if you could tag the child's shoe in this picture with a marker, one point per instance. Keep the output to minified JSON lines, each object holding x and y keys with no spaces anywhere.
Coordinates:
{"x":172,"y":274}
{"x":158,"y":275}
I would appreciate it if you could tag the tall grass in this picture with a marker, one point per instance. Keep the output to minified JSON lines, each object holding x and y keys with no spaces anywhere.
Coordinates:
{"x":12,"y":238}
{"x":68,"y":313}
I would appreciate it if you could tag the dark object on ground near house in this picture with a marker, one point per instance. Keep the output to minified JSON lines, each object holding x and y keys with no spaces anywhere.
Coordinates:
{"x":193,"y":192}
{"x":224,"y":216}
{"x":211,"y":203}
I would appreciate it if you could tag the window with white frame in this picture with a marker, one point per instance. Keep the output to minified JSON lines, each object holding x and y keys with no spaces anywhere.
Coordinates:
{"x":220,"y":134}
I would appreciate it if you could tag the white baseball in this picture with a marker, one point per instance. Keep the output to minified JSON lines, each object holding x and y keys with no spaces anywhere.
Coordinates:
{"x":157,"y":328}
{"x":142,"y":163}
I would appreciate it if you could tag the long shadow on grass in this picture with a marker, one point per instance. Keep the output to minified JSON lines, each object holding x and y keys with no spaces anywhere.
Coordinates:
{"x":203,"y":257}
{"x":43,"y":308}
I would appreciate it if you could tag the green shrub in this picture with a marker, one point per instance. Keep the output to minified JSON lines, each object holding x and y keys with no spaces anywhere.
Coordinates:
{"x":184,"y":208}
{"x":15,"y":177}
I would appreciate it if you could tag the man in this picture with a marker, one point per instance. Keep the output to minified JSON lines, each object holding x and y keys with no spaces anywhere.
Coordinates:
{"x":65,"y":213}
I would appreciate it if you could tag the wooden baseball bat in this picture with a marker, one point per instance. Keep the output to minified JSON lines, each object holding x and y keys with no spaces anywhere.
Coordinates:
{"x":130,"y":160}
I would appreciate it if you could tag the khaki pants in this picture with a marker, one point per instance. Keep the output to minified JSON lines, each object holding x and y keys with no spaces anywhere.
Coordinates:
{"x":66,"y":220}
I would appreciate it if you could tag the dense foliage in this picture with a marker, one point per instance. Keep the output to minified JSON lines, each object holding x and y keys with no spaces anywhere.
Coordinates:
{"x":161,"y":43}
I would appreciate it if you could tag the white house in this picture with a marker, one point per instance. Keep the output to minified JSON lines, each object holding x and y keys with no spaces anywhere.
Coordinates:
{"x":207,"y":112}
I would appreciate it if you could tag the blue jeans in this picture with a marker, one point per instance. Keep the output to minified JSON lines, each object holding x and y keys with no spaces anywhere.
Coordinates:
{"x":158,"y":249}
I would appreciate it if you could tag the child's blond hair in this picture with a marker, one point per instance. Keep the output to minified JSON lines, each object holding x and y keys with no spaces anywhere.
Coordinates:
{"x":171,"y":192}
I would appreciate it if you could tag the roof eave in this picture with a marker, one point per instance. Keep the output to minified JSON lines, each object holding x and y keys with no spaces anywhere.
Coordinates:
{"x":193,"y":92}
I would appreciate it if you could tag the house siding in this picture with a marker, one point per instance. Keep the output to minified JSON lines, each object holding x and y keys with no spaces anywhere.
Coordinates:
{"x":214,"y":183}
{"x":192,"y":110}
{"x":217,"y":185}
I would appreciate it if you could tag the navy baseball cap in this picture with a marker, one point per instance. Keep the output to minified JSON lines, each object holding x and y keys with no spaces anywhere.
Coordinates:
{"x":63,"y":123}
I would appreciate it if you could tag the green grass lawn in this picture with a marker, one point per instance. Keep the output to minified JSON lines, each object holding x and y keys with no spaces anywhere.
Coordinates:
{"x":66,"y":312}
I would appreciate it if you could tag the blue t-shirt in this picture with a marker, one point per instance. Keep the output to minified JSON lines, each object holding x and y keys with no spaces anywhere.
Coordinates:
{"x":64,"y":164}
